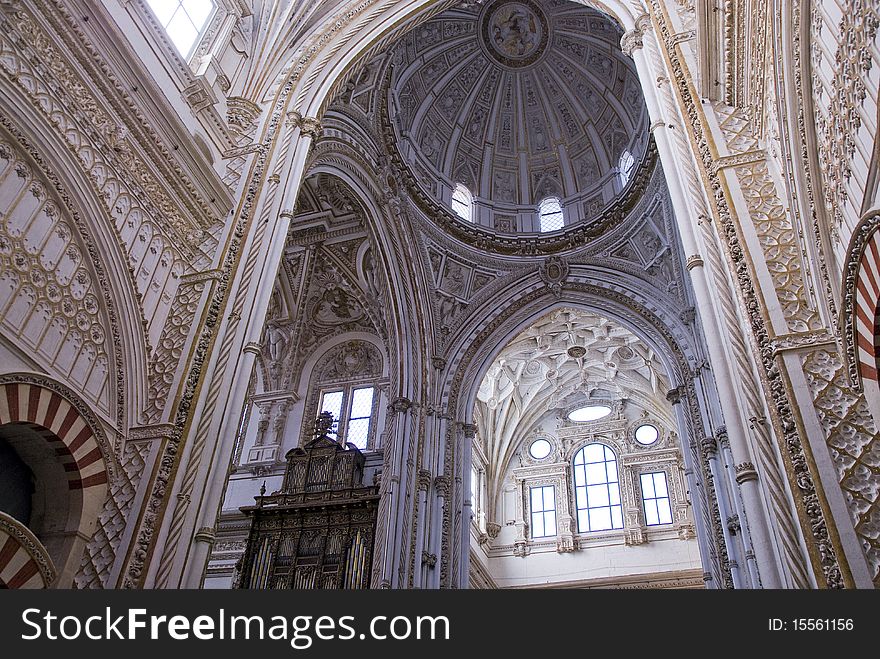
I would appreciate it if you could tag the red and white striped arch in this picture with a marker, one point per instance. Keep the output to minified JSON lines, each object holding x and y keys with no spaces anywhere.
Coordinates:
{"x":867,"y":300}
{"x":62,"y":426}
{"x":24,"y":561}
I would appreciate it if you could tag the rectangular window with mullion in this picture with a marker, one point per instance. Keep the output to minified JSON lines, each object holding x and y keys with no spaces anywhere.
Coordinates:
{"x":352,"y":409}
{"x":543,"y":507}
{"x":655,"y":496}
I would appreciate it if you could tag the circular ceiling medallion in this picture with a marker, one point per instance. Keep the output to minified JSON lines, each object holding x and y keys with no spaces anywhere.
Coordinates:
{"x":514,"y":34}
{"x":576,"y":352}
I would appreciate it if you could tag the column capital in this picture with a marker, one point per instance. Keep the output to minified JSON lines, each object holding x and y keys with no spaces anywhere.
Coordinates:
{"x":308,"y":126}
{"x":400,"y":404}
{"x":469,"y":430}
{"x":745,"y":471}
{"x":631,"y":41}
{"x":674,"y":395}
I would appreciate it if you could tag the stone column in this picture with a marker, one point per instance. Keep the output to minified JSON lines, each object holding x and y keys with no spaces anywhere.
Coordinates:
{"x":182,"y":552}
{"x":724,"y":371}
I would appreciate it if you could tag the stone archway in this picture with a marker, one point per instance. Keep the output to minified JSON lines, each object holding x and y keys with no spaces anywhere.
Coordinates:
{"x":66,"y":451}
{"x":860,"y":322}
{"x":24,"y":561}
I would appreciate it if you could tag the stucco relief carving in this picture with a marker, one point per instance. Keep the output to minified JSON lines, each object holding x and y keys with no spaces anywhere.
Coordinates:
{"x":782,"y":250}
{"x":52,"y":299}
{"x":169,"y":350}
{"x":47,"y":77}
{"x":838,"y":109}
{"x":100,"y":553}
{"x":853,"y":441}
{"x":785,"y":423}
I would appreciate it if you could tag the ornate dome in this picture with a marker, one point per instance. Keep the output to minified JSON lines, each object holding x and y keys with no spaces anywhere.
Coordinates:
{"x":519,"y":101}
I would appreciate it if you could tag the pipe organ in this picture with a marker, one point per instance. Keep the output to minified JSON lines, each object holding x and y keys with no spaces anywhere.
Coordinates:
{"x":318,"y":530}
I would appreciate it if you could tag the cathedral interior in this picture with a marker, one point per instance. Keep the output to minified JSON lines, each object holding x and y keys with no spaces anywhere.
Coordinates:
{"x":439,"y":294}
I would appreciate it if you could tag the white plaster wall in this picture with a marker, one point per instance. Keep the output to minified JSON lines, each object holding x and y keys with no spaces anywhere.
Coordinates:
{"x":602,"y":560}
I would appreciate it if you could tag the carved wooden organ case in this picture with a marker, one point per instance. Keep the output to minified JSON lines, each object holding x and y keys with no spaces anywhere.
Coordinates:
{"x":317,"y":531}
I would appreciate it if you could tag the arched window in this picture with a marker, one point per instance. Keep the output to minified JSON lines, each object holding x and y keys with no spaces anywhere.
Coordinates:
{"x":596,"y":489}
{"x":463,"y":202}
{"x":550,"y":214}
{"x":183,"y":20}
{"x":625,"y":167}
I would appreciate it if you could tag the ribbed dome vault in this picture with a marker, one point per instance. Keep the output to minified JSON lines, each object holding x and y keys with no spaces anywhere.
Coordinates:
{"x":518,"y":101}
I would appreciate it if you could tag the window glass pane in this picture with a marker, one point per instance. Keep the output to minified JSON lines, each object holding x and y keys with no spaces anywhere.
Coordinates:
{"x":646,"y":434}
{"x":332,"y":402}
{"x":626,"y":167}
{"x":612,"y":471}
{"x":600,"y":519}
{"x":540,"y":449}
{"x":597,"y":495}
{"x":536,"y":499}
{"x":550,"y":523}
{"x":182,"y":32}
{"x":462,"y":202}
{"x":647,"y":485}
{"x":600,"y":498}
{"x":589,"y":413}
{"x":543,"y":515}
{"x":596,"y":473}
{"x":594,"y":453}
{"x":550,"y":214}
{"x":183,"y":20}
{"x":655,"y":495}
{"x":617,"y":517}
{"x":580,"y":495}
{"x":660,"y":484}
{"x":362,"y":403}
{"x":199,"y":11}
{"x":614,"y":493}
{"x":164,"y":9}
{"x":358,"y":432}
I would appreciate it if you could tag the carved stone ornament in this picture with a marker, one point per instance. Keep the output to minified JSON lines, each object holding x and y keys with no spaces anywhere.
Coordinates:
{"x":554,"y":272}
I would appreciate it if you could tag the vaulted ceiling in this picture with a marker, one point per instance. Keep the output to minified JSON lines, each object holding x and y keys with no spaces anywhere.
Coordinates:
{"x":519,"y":101}
{"x":568,"y":358}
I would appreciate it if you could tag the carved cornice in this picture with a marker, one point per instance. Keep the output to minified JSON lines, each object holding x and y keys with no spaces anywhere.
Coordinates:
{"x":801,"y":341}
{"x":152,"y":432}
{"x":738,"y":160}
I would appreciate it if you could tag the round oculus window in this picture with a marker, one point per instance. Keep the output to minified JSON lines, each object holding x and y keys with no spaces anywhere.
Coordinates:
{"x":646,"y":434}
{"x":540,"y":449}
